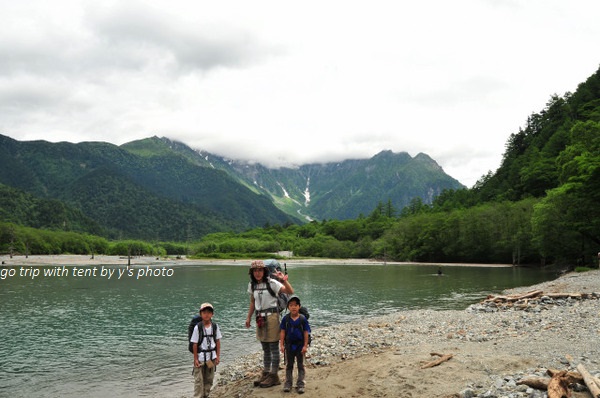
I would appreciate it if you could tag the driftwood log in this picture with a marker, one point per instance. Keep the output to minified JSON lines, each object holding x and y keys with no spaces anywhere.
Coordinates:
{"x":590,"y":381}
{"x":531,"y":295}
{"x":566,"y":295}
{"x":539,"y":383}
{"x":514,"y":297}
{"x":558,"y":387}
{"x":442,"y":358}
{"x":570,"y":377}
{"x":558,"y":384}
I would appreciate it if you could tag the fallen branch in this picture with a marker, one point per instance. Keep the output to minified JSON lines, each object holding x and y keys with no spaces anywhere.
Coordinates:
{"x":565,"y":295}
{"x":515,"y":297}
{"x":534,"y":293}
{"x":539,"y":383}
{"x":531,"y":295}
{"x":443,"y":358}
{"x":590,"y":381}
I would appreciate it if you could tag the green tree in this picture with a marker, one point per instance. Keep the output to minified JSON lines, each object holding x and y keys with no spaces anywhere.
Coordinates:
{"x":566,"y":224}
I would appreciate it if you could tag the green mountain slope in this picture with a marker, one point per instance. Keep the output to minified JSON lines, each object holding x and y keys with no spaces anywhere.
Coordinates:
{"x":157,"y":188}
{"x":19,"y":207}
{"x":347,"y":189}
{"x":341,"y":190}
{"x":148,"y":192}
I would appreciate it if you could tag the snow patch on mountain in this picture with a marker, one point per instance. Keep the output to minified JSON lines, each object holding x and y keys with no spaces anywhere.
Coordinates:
{"x":307,"y":193}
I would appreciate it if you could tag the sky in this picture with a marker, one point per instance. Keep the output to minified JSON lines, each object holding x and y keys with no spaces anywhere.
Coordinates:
{"x":288,"y":83}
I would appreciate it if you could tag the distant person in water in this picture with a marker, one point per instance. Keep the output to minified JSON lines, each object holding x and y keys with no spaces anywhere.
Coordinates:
{"x":440,"y":273}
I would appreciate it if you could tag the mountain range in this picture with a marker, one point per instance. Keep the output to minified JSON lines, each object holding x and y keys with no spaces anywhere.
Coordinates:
{"x":346,"y":189}
{"x":160,"y":189}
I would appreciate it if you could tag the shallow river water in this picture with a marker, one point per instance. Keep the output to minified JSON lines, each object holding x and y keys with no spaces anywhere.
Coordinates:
{"x":72,"y":336}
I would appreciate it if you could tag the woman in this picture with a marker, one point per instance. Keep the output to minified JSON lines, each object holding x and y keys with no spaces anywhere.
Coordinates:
{"x":263,"y":292}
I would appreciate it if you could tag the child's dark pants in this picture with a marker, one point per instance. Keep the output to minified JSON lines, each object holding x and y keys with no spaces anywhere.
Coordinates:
{"x":289,"y":368}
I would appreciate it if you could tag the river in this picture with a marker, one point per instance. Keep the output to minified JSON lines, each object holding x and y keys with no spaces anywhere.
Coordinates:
{"x":70,"y":336}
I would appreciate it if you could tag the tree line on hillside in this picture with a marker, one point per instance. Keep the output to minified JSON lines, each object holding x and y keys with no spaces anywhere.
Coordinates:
{"x":541,"y":206}
{"x":492,"y":233}
{"x":17,"y":240}
{"x":500,"y":232}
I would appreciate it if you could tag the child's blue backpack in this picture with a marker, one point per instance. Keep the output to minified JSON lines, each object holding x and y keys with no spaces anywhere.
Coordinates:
{"x":303,"y":313}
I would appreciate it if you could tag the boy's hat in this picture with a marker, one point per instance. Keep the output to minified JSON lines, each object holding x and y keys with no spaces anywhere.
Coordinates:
{"x":295,"y":298}
{"x":205,"y":306}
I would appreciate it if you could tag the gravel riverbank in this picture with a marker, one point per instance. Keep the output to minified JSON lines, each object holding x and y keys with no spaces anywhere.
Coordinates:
{"x":492,"y":349}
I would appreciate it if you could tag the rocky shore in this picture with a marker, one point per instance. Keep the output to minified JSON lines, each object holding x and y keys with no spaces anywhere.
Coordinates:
{"x":492,"y":349}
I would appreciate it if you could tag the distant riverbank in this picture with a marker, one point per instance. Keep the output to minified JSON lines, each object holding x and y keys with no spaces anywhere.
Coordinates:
{"x":71,"y":259}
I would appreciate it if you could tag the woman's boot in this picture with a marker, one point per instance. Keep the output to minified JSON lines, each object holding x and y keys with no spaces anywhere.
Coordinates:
{"x":271,"y":380}
{"x":261,"y":379}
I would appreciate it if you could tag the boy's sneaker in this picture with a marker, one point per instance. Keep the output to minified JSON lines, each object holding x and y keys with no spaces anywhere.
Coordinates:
{"x":287,"y":388}
{"x":300,"y":390}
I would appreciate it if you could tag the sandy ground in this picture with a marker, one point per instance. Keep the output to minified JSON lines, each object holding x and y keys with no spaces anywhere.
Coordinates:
{"x":397,"y":373}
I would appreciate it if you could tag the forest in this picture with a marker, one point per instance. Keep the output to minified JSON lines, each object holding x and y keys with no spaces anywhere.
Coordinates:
{"x":540,"y":207}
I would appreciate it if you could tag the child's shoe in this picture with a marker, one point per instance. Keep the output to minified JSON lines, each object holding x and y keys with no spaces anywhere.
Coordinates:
{"x":287,"y":388}
{"x":300,"y":390}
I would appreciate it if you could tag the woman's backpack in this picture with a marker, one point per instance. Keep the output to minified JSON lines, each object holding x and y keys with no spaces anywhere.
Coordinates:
{"x":272,"y":267}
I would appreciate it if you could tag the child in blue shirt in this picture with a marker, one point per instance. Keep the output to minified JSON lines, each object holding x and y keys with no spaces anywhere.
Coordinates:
{"x":293,"y":340}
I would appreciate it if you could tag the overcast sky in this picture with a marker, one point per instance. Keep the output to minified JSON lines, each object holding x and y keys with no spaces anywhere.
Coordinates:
{"x":286,"y":83}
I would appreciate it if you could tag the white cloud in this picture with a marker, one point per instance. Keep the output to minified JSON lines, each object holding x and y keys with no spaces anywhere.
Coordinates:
{"x":290,"y":83}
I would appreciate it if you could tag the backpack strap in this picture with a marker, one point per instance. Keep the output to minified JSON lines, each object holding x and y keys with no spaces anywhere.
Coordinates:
{"x":269,"y":288}
{"x":211,"y":347}
{"x":271,"y":292}
{"x":287,"y":326}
